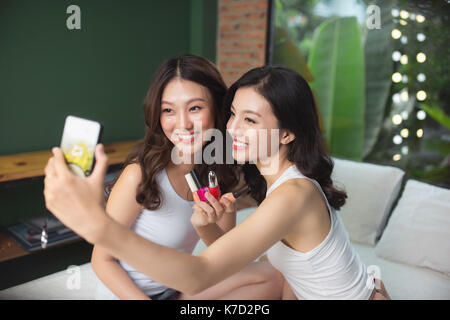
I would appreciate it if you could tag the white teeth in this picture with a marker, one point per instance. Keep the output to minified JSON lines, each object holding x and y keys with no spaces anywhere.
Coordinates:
{"x":186,"y":137}
{"x":239,"y":144}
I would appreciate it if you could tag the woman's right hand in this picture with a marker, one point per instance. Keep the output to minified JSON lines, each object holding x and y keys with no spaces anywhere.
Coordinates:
{"x":212,"y":211}
{"x":77,"y":202}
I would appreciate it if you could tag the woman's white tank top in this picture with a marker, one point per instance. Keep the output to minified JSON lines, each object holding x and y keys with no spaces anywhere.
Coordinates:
{"x":170,"y":226}
{"x":332,"y":270}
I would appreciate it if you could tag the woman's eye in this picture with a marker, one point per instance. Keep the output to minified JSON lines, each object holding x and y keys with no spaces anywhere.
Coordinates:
{"x":249,"y":120}
{"x":232,"y":114}
{"x":167,"y":110}
{"x":195,"y":108}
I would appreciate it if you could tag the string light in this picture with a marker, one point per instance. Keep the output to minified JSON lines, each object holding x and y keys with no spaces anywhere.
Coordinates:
{"x":396,"y":55}
{"x":421,"y":95}
{"x":421,"y":77}
{"x":420,"y":18}
{"x":396,"y":34}
{"x":397,"y":119}
{"x":421,"y":57}
{"x":421,"y":37}
{"x":397,"y":77}
{"x":404,"y":14}
{"x":405,"y":150}
{"x":404,"y":59}
{"x":404,"y":115}
{"x":421,"y":115}
{"x":404,"y":95}
{"x":419,"y":133}
{"x":396,"y":98}
{"x":397,"y":139}
{"x":404,"y":133}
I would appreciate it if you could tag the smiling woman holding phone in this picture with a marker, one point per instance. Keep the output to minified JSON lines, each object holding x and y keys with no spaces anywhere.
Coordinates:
{"x":296,"y":223}
{"x":152,"y":199}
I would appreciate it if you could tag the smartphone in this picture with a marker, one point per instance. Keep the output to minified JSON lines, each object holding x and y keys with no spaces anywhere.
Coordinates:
{"x":79,"y":138}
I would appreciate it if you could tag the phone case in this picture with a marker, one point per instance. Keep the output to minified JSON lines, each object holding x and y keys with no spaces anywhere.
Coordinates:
{"x":80,"y":136}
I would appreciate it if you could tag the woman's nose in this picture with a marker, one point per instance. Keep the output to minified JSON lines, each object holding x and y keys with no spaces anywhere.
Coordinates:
{"x":183,"y":121}
{"x":234,"y":126}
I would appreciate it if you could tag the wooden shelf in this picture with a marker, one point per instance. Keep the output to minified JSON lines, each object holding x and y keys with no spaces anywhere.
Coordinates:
{"x":32,"y":164}
{"x":29,"y":166}
{"x":9,"y":249}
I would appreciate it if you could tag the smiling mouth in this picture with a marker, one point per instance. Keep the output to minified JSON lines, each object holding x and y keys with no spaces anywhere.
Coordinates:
{"x":239,"y":145}
{"x":186,"y":138}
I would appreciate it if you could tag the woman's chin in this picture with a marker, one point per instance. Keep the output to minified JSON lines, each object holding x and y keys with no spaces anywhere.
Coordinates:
{"x":186,"y":151}
{"x":241,"y":155}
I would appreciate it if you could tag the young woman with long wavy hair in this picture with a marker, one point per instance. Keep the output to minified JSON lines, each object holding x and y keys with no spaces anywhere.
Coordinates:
{"x":152,"y":198}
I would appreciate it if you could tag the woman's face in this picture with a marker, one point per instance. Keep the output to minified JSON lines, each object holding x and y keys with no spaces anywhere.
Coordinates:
{"x":186,"y":113}
{"x":252,"y":125}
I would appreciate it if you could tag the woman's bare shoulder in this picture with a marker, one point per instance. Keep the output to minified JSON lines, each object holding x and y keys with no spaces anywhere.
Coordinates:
{"x":294,"y":189}
{"x":124,"y":190}
{"x":295,"y":196}
{"x":132,"y":173}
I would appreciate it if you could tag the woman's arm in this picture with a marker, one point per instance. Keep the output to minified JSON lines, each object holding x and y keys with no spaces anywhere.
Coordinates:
{"x":114,"y":276}
{"x":227,"y":255}
{"x":77,"y":203}
{"x":123,"y":208}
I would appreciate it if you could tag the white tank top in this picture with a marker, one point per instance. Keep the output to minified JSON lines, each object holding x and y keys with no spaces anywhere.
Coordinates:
{"x":170,"y":226}
{"x":332,"y":270}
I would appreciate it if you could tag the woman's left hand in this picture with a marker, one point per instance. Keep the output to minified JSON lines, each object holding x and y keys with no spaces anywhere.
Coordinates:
{"x":212,"y":211}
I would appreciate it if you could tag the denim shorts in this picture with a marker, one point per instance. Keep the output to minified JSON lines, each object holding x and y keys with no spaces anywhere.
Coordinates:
{"x":168,"y":294}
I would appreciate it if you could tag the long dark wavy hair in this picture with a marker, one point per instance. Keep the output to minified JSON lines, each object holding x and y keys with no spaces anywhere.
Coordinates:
{"x":153,"y":151}
{"x":293,"y":105}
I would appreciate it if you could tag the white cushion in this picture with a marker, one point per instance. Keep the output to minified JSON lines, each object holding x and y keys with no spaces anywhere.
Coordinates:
{"x":406,"y":282}
{"x":371,"y":190}
{"x":418,"y":233}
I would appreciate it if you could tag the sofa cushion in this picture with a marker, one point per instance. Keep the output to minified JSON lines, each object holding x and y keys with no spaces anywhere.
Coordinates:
{"x":418,"y":233}
{"x":405,"y":282}
{"x":371,"y":190}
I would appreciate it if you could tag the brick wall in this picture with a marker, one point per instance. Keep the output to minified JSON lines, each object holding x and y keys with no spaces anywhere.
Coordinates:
{"x":241,"y":45}
{"x":241,"y":36}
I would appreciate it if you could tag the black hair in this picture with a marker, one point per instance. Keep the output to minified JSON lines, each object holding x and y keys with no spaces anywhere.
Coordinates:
{"x":292,"y":103}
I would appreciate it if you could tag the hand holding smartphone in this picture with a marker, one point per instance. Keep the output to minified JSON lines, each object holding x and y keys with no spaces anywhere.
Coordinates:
{"x":79,"y":139}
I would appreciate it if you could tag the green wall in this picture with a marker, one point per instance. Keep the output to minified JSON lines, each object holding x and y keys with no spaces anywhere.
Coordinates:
{"x":100,"y":72}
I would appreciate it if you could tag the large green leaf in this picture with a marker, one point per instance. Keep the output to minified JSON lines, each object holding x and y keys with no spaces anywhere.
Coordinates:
{"x":378,"y":50}
{"x":437,"y":114}
{"x":288,"y":54}
{"x":337,"y":64}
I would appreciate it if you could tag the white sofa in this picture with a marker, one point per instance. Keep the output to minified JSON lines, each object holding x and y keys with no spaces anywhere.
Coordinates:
{"x":410,"y":252}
